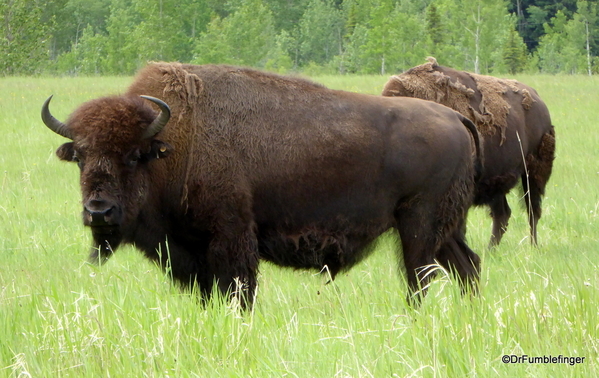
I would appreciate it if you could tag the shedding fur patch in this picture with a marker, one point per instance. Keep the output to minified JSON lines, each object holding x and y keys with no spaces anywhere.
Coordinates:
{"x":490,"y":116}
{"x":527,"y":100}
{"x":493,"y":102}
{"x":426,"y":83}
{"x":177,"y":80}
{"x":187,"y":87}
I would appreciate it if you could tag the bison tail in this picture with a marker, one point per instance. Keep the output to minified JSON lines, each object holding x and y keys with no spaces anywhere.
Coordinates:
{"x":540,"y":166}
{"x":478,"y":161}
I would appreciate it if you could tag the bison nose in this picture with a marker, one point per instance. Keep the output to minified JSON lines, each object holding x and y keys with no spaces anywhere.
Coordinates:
{"x":100,"y":213}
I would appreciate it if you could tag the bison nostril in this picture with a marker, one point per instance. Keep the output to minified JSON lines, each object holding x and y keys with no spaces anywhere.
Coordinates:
{"x":99,"y":212}
{"x":97,"y":217}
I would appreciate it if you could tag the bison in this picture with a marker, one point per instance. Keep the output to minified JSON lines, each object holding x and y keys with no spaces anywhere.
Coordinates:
{"x":514,"y":123}
{"x":232,"y":165}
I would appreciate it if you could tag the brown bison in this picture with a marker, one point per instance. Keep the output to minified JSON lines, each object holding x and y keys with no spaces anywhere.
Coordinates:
{"x":514,"y":123}
{"x":242,"y":165}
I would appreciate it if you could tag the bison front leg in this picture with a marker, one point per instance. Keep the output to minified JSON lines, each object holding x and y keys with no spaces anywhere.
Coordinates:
{"x":233,"y":258}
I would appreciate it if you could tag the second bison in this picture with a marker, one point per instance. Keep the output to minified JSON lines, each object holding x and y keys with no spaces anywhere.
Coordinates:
{"x":519,"y":139}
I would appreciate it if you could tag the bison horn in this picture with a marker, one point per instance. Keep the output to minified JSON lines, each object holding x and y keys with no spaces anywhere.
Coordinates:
{"x":54,"y":124}
{"x":161,"y":120}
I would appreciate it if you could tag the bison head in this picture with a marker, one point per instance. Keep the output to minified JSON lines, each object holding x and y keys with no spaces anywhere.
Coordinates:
{"x":113,"y":141}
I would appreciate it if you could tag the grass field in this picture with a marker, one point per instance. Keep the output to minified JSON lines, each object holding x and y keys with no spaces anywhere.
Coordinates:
{"x":60,"y":317}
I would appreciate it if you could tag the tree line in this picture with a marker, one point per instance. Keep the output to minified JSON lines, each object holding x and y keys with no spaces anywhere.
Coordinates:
{"x":117,"y":37}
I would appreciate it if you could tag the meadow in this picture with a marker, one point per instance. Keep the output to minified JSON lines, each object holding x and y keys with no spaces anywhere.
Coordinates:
{"x":61,"y":317}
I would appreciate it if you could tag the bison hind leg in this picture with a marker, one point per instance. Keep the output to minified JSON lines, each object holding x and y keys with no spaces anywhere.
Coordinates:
{"x":500,"y":212}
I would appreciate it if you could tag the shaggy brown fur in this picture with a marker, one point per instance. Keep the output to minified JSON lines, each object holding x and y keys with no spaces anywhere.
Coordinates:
{"x":513,"y":122}
{"x":271,"y":167}
{"x":489,"y":112}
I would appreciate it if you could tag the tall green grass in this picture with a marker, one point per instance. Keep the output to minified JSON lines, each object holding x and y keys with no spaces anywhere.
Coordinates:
{"x":60,"y":317}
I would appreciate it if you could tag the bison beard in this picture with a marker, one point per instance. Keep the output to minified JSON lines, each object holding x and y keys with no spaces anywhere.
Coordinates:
{"x":253,"y":165}
{"x":513,"y":122}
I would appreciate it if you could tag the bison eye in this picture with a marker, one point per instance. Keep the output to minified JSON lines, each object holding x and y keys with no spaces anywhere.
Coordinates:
{"x":133,"y":158}
{"x":77,"y":160}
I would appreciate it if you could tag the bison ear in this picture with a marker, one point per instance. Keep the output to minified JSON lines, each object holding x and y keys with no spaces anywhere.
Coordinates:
{"x":66,"y":152}
{"x":160,"y":149}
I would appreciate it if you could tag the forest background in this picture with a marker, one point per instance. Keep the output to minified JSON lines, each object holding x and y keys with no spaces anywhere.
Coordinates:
{"x":117,"y":37}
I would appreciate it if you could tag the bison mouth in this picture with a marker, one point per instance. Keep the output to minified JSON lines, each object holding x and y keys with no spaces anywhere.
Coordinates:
{"x":106,"y":241}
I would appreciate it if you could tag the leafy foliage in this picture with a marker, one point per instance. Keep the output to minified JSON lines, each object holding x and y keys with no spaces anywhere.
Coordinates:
{"x":242,"y":38}
{"x":569,"y":44}
{"x":336,"y":36}
{"x":320,"y":32}
{"x":434,"y":27}
{"x":22,"y":47}
{"x":514,"y":53}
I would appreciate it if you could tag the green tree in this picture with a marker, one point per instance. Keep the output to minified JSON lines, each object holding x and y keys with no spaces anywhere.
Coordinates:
{"x":476,"y":30}
{"x":434,"y":28}
{"x":552,"y":46}
{"x":585,"y":24}
{"x":321,"y":31}
{"x":514,"y":53}
{"x":84,"y":55}
{"x":379,"y":42}
{"x":396,"y":39}
{"x":213,"y":45}
{"x":286,"y":13}
{"x":352,"y":18}
{"x":75,"y":16}
{"x":353,"y":60}
{"x":533,"y":26}
{"x":121,"y":53}
{"x":23,"y":40}
{"x":195,"y":16}
{"x":532,"y":14}
{"x":363,"y":9}
{"x":136,"y":31}
{"x":278,"y":58}
{"x":244,"y":37}
{"x":410,"y":42}
{"x":567,"y":45}
{"x":160,"y":33}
